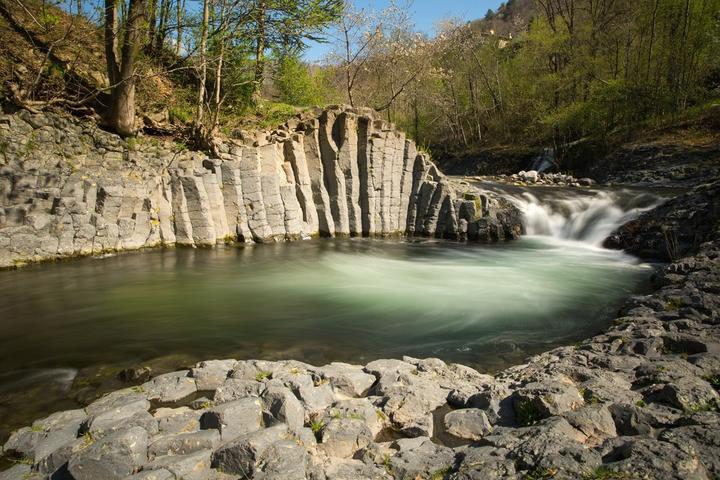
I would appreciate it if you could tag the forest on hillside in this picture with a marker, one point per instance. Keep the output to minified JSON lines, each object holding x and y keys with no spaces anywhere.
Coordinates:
{"x":531,"y":73}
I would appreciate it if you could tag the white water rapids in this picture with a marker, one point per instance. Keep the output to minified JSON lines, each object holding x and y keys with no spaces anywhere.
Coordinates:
{"x":586,"y":216}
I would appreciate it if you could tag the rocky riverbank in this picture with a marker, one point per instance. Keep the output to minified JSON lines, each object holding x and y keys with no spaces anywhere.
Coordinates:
{"x":637,"y":401}
{"x":68,"y":188}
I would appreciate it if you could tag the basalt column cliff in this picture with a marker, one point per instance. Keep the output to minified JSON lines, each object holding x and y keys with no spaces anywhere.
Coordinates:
{"x":68,"y":188}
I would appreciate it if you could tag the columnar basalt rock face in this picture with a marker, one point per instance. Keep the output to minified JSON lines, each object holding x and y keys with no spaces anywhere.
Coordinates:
{"x":68,"y":188}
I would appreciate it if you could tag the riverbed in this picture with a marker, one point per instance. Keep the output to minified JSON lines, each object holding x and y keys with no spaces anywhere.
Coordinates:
{"x":67,"y":328}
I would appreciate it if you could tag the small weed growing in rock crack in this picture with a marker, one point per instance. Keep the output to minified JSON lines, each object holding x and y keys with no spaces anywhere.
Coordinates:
{"x":673,"y":304}
{"x":540,"y":474}
{"x":711,"y":406}
{"x":440,"y":474}
{"x":386,"y":463}
{"x":316,"y":426}
{"x":641,"y":403}
{"x":263,"y":375}
{"x":713,"y":380}
{"x":604,"y":473}
{"x":526,"y":413}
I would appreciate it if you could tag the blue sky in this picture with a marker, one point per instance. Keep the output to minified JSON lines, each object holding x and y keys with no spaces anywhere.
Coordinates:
{"x":425,"y":14}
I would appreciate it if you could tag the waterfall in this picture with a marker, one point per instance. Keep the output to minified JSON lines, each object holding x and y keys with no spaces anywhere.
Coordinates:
{"x":587,"y":217}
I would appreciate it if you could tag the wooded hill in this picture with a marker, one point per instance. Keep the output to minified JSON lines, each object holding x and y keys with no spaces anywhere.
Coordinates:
{"x":533,"y":73}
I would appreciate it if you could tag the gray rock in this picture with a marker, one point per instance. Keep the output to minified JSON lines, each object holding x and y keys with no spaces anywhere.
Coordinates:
{"x":193,"y":466}
{"x":348,"y":379}
{"x":282,"y":460}
{"x":159,"y":474}
{"x":210,"y":374}
{"x":539,"y":400}
{"x":183,"y":443}
{"x":177,"y":420}
{"x":484,"y":463}
{"x":342,"y":437}
{"x":469,"y":423}
{"x":235,"y":389}
{"x":421,"y":459}
{"x":114,"y":456}
{"x":234,"y":418}
{"x":242,"y":455}
{"x":282,"y":404}
{"x":170,"y":387}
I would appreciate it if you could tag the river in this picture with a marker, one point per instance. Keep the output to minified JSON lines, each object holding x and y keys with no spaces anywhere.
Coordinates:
{"x":66,"y":328}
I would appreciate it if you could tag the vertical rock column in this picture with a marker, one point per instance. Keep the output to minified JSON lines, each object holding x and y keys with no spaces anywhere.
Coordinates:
{"x":406,"y":183}
{"x":345,"y":130}
{"x":295,"y":154}
{"x":334,"y":178}
{"x":253,"y":195}
{"x":316,"y":172}
{"x":235,"y":210}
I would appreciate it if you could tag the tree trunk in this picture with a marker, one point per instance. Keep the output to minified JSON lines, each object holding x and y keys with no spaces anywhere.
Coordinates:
{"x":260,"y":48}
{"x":121,"y":115}
{"x":180,"y":10}
{"x":111,"y":29}
{"x":218,"y":71}
{"x":152,"y":22}
{"x":203,"y":61}
{"x":162,"y":26}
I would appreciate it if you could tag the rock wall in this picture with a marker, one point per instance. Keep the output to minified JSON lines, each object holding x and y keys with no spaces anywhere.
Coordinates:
{"x":68,"y":188}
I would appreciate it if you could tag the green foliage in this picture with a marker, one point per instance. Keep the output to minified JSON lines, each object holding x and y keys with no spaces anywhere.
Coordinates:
{"x":604,"y":473}
{"x":296,"y":84}
{"x":180,"y":114}
{"x":262,"y":375}
{"x":641,"y":403}
{"x":441,"y":473}
{"x":540,"y":474}
{"x":713,"y":380}
{"x":526,"y":413}
{"x":673,"y":304}
{"x":316,"y":426}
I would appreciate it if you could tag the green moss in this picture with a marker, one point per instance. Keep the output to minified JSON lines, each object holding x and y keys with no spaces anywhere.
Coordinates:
{"x":137,"y":389}
{"x":262,"y":375}
{"x":641,"y":403}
